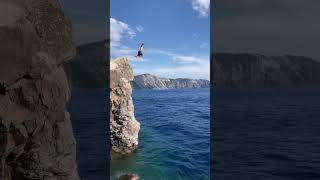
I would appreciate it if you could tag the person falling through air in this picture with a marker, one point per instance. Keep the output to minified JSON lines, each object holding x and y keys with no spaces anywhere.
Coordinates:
{"x":140,"y":54}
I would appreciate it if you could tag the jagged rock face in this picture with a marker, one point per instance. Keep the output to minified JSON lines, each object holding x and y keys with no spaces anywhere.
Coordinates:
{"x":88,"y":68}
{"x":148,"y":81}
{"x":124,"y":128}
{"x":254,"y":70}
{"x":36,"y":138}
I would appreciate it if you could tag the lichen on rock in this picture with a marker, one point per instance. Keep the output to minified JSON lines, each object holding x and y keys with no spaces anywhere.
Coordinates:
{"x":124,"y":128}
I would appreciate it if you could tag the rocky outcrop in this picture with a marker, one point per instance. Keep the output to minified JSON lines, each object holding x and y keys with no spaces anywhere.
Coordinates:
{"x":124,"y":128}
{"x":88,"y":68}
{"x":36,"y":138}
{"x":148,"y":81}
{"x":255,"y":70}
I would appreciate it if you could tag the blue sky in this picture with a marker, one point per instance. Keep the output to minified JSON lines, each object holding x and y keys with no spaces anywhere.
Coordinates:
{"x":176,"y":34}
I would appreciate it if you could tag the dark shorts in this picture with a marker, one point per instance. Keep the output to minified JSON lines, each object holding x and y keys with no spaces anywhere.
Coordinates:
{"x":140,"y":53}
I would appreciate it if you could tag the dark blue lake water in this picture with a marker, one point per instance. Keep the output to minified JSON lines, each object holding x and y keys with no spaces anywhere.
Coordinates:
{"x":174,"y":140}
{"x":266,"y":134}
{"x":88,"y":111}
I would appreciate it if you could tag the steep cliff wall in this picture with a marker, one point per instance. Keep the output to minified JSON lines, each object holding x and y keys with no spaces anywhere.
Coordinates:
{"x":88,"y":68}
{"x":255,"y":70}
{"x":36,"y":138}
{"x":124,"y":128}
{"x":148,"y":81}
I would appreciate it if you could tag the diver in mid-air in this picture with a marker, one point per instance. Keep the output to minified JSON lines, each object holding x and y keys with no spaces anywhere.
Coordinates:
{"x":140,"y":54}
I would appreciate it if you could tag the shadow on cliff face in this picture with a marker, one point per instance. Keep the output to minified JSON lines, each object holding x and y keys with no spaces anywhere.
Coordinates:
{"x":37,"y":140}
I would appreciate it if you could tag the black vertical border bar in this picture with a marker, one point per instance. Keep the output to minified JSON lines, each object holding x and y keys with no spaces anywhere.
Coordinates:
{"x":107,"y":58}
{"x":211,"y":89}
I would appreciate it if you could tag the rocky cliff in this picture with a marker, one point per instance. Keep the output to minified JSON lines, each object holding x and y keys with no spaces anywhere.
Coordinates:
{"x":148,"y":81}
{"x":255,"y":70}
{"x":36,"y":138}
{"x":88,"y":68}
{"x":124,"y":127}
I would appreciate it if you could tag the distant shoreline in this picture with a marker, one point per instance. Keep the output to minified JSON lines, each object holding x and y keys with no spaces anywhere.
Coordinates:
{"x":149,"y":81}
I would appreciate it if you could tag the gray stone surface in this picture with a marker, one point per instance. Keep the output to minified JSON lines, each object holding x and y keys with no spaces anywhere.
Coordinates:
{"x":256,"y":70}
{"x":36,"y":137}
{"x":88,"y":68}
{"x":124,"y":128}
{"x":148,"y":81}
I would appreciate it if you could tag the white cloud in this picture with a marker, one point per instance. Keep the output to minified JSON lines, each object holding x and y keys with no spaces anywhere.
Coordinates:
{"x":121,"y":51}
{"x":134,"y":59}
{"x":118,"y":30}
{"x":202,"y":7}
{"x":178,"y":58}
{"x":162,"y":52}
{"x":131,"y":34}
{"x":195,"y":35}
{"x":125,"y":52}
{"x":188,"y":59}
{"x":139,"y":28}
{"x":192,"y":71}
{"x":185,"y":66}
{"x":203,"y":45}
{"x":189,"y":66}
